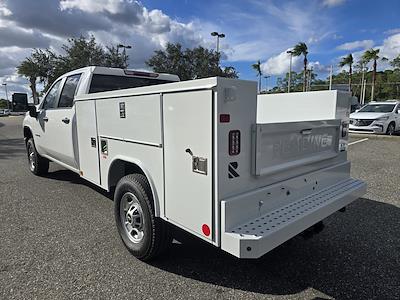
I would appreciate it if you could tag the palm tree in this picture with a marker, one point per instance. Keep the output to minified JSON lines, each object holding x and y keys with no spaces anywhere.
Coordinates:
{"x":348,"y":61}
{"x":257,"y":68}
{"x":301,"y":49}
{"x":373,"y":55}
{"x":30,"y":70}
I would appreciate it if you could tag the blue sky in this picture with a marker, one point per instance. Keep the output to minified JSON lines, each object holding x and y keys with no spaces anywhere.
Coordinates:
{"x":255,"y":29}
{"x":323,"y":25}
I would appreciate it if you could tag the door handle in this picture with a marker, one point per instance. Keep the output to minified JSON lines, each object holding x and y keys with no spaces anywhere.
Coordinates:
{"x":45,"y":119}
{"x":65,"y":120}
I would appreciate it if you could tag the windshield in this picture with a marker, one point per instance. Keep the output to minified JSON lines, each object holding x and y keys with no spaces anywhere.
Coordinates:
{"x":104,"y":83}
{"x":380,"y":108}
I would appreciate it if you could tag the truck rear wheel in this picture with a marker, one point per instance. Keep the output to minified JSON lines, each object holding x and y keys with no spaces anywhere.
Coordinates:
{"x":145,"y":235}
{"x":37,"y":164}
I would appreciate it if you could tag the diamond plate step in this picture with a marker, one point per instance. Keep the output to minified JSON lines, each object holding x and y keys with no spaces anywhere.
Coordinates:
{"x":285,"y":222}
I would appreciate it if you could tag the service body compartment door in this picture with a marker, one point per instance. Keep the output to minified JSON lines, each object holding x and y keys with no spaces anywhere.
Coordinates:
{"x":279,"y":147}
{"x":188,"y":160}
{"x":88,"y":142}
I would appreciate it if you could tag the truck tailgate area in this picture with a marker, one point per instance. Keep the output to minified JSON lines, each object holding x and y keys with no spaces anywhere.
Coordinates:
{"x":254,"y":223}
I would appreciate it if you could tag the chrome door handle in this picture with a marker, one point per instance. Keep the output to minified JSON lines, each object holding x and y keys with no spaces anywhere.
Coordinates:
{"x":65,"y":120}
{"x":45,"y":119}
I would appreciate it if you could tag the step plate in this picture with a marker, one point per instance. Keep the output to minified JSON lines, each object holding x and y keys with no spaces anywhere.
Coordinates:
{"x":285,"y":222}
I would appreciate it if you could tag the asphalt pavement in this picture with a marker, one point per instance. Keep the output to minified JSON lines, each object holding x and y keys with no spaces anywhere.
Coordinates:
{"x":58,"y":241}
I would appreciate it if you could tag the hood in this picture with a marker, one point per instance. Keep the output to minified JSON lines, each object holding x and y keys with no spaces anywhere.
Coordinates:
{"x":367,"y":115}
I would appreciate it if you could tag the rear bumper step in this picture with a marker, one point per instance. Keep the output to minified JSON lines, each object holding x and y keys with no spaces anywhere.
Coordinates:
{"x":260,"y":235}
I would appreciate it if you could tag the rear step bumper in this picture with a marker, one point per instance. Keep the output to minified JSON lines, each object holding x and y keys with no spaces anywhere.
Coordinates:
{"x":262,"y":234}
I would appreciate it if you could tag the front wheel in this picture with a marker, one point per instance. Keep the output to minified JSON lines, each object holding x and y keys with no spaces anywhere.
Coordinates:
{"x":37,"y":164}
{"x":391,"y":129}
{"x":145,"y":235}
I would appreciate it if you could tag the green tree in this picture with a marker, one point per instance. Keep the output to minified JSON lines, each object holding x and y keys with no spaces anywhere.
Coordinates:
{"x":395,"y":63}
{"x":30,"y":69}
{"x":46,"y":66}
{"x":302,"y":49}
{"x":257,"y":67}
{"x":189,"y":64}
{"x":348,"y":61}
{"x":372,"y":55}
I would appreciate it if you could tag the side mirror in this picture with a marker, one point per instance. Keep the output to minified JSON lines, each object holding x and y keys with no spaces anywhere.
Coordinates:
{"x":32,"y":111}
{"x":357,"y":110}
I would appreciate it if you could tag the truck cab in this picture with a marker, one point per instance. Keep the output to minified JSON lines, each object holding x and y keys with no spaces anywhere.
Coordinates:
{"x":55,"y":116}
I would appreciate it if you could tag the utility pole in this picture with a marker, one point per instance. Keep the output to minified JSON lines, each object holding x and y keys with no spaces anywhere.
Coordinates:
{"x":8,"y":102}
{"x":290,"y":70}
{"x":330,"y":77}
{"x":124,"y":53}
{"x":365,"y":86}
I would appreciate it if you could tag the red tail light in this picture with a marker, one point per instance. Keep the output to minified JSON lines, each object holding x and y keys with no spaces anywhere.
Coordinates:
{"x":234,"y":142}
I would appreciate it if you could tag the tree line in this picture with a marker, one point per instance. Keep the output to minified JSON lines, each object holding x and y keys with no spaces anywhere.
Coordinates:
{"x":379,"y":84}
{"x":45,"y":65}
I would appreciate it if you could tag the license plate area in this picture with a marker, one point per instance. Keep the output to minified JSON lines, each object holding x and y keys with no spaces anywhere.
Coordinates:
{"x":282,"y":146}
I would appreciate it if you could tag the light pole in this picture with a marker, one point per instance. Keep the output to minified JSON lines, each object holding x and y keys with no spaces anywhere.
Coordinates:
{"x":266,"y":82}
{"x":124,"y":52}
{"x":219,"y":36}
{"x":290,"y":70}
{"x":8,"y":102}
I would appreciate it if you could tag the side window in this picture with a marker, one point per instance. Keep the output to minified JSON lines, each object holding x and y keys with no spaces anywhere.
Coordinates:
{"x":51,"y":99}
{"x":68,"y":91}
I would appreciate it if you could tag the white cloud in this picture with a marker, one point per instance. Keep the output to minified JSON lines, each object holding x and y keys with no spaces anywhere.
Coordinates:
{"x":279,"y":64}
{"x":391,"y":46}
{"x":392,"y":31}
{"x":98,"y":6}
{"x":364,"y":44}
{"x":331,"y":3}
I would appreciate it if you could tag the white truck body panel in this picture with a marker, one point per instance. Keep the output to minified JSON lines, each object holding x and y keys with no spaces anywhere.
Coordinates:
{"x":87,"y":141}
{"x":300,"y":106}
{"x":217,"y":157}
{"x":188,"y":126}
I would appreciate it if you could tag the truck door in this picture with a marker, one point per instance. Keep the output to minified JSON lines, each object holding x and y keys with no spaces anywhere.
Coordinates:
{"x":188,"y":160}
{"x":59,"y":123}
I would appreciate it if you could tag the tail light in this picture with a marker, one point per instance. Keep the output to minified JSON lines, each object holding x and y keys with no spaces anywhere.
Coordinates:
{"x":234,"y":142}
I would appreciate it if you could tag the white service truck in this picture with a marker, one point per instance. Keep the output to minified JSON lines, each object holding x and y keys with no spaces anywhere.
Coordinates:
{"x":208,"y":156}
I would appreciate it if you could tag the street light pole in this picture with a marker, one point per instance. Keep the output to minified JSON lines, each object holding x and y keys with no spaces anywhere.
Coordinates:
{"x":219,"y":36}
{"x":290,"y":69}
{"x":124,"y":53}
{"x":266,"y":82}
{"x":8,"y":102}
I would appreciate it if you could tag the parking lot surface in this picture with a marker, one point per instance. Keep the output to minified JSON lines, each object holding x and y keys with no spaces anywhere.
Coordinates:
{"x":58,"y":240}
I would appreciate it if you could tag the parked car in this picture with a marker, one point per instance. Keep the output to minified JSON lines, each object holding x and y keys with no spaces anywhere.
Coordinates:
{"x":377,"y":117}
{"x":4,"y":112}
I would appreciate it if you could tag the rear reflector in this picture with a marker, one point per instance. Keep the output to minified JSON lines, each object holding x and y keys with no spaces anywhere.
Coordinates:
{"x":234,"y":142}
{"x":139,"y":73}
{"x":206,"y":230}
{"x":224,"y":118}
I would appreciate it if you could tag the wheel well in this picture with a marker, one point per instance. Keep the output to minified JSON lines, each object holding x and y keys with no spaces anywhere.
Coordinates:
{"x":119,"y":169}
{"x":27,"y":133}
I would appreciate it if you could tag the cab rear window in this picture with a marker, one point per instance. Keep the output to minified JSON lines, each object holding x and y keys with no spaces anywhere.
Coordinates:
{"x":104,"y":83}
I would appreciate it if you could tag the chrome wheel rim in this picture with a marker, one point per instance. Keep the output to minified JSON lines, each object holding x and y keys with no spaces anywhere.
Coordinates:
{"x":31,"y":158}
{"x":132,"y":217}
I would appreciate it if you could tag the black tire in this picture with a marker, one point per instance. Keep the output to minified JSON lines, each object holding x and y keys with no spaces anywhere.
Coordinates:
{"x":155,"y":236}
{"x":391,"y":129}
{"x":37,"y":164}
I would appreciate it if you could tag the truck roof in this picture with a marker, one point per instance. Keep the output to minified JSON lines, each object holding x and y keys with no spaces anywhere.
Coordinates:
{"x":124,"y":72}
